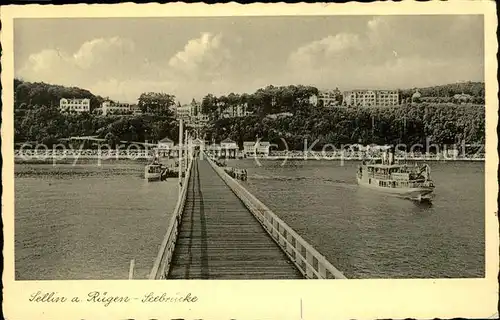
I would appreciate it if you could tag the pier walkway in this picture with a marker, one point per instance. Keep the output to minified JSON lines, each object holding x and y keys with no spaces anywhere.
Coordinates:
{"x":220,"y":231}
{"x":220,"y":239}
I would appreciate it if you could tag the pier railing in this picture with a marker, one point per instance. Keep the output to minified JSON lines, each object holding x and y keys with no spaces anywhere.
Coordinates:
{"x":161,"y":266}
{"x":308,"y":261}
{"x":54,"y":154}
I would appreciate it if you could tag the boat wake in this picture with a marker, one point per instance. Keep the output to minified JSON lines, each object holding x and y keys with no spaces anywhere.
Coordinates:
{"x":286,"y":178}
{"x":279,"y":178}
{"x":420,"y":200}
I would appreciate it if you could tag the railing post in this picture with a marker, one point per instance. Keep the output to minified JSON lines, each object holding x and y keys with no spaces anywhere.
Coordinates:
{"x":275,"y":228}
{"x":269,"y":221}
{"x":309,"y":265}
{"x":281,"y":235}
{"x":298,"y":254}
{"x":322,"y":270}
{"x":289,"y":247}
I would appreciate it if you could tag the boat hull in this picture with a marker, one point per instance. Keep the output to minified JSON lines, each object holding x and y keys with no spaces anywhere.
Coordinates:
{"x":153,"y":177}
{"x":421,"y":193}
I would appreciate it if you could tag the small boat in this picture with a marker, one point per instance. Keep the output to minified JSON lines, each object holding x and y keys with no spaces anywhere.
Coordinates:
{"x":154,"y":171}
{"x":412,"y":182}
{"x":235,"y":173}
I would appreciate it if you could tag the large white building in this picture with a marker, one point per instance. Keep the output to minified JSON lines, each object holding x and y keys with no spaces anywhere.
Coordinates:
{"x":329,"y":98}
{"x":191,"y":114}
{"x":200,"y":120}
{"x":114,"y":107}
{"x":74,"y":105}
{"x":135,"y":109}
{"x":184,"y":112}
{"x":367,"y":98}
{"x":240,"y":110}
{"x":256,"y":148}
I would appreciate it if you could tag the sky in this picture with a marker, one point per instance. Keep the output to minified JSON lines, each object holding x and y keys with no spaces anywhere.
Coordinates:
{"x":189,"y":57}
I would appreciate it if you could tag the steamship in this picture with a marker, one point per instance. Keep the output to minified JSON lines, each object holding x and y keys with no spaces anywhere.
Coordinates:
{"x":407,"y":181}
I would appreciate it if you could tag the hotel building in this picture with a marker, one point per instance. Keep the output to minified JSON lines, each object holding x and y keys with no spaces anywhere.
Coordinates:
{"x":367,"y":98}
{"x":114,"y":107}
{"x":329,"y":98}
{"x":240,"y":110}
{"x":184,"y":112}
{"x":74,"y":105}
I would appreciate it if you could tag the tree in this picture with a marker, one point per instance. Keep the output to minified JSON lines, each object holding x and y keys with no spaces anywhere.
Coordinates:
{"x":209,"y":104}
{"x":157,"y":103}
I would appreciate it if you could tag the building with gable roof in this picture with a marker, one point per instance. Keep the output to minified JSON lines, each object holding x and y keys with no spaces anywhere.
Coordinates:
{"x":165,"y":143}
{"x":229,"y":148}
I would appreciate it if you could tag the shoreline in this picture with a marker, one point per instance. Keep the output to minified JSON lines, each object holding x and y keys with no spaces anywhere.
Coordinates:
{"x":96,"y":160}
{"x":358,"y":159}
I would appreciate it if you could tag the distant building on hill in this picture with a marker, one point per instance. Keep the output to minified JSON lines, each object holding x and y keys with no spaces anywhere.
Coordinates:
{"x":191,"y":114}
{"x":279,"y":115}
{"x":109,"y":107}
{"x":184,"y":112}
{"x":200,"y":120}
{"x":240,"y":110}
{"x":313,"y":100}
{"x":462,"y":98}
{"x":416,"y":97}
{"x":330,"y":98}
{"x":368,"y":98}
{"x":74,"y":105}
{"x":135,"y":109}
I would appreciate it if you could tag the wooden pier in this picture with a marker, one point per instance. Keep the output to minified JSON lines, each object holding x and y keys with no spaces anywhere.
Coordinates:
{"x":220,"y":239}
{"x":220,"y":231}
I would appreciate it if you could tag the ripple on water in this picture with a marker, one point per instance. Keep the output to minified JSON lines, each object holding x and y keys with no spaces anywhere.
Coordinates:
{"x":88,"y":222}
{"x":371,"y":235}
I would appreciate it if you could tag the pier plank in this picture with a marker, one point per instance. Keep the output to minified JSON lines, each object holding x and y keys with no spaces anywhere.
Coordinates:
{"x":220,"y":239}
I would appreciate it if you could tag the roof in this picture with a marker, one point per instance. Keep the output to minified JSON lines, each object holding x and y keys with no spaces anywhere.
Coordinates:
{"x":227,"y":140}
{"x":260,"y":143}
{"x":377,"y":147}
{"x":166,"y":140}
{"x":213,"y":146}
{"x":82,"y":99}
{"x":387,"y":166}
